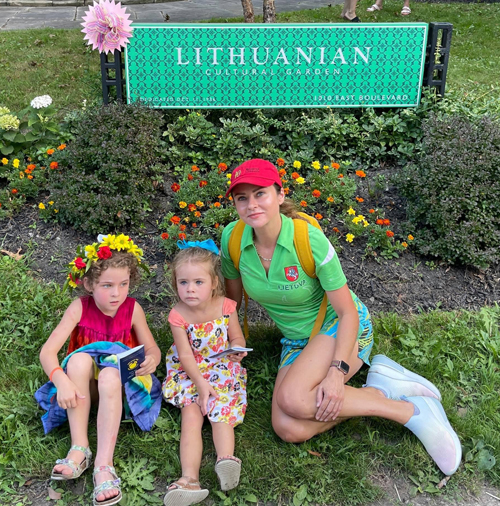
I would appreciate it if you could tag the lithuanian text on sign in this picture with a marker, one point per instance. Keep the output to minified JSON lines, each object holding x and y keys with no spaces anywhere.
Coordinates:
{"x":278,"y":65}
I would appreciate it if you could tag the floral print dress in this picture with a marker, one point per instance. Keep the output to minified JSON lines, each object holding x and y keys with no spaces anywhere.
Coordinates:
{"x":227,"y":378}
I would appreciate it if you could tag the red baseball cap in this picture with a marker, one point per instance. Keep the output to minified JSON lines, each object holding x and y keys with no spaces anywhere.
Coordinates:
{"x":257,"y":171}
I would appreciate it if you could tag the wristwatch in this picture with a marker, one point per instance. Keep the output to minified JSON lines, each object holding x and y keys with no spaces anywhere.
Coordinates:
{"x":340,"y":365}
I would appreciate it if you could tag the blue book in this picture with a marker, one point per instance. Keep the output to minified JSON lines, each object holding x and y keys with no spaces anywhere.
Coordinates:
{"x":130,"y":361}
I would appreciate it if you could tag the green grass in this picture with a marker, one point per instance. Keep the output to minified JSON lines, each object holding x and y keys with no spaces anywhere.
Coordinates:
{"x":457,"y":350}
{"x":58,"y":63}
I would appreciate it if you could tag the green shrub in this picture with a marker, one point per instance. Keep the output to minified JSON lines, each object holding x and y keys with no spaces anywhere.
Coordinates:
{"x":453,"y":190}
{"x":105,"y":179}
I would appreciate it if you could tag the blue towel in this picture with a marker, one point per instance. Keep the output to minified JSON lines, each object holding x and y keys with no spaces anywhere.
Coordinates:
{"x":142,"y":394}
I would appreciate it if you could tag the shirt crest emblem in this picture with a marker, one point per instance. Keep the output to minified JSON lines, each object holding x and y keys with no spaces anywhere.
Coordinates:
{"x":292,"y":273}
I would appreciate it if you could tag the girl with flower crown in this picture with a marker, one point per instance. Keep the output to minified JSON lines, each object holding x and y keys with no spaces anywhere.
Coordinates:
{"x":103,"y":322}
{"x":204,"y":323}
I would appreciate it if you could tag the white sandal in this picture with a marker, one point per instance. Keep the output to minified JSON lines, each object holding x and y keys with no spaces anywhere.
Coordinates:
{"x":77,"y":468}
{"x":374,"y":8}
{"x":405,"y":11}
{"x":228,"y":471}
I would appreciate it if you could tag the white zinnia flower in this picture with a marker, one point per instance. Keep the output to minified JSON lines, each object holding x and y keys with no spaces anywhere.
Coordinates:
{"x":41,"y":102}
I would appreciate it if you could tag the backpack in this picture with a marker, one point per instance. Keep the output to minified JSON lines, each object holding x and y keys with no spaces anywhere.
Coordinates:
{"x":304,"y":253}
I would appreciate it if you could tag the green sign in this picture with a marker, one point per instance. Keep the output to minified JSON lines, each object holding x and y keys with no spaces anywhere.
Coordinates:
{"x":276,"y":65}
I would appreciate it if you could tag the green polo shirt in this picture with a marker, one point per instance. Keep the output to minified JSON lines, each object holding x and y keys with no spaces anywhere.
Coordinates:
{"x":291,"y":298}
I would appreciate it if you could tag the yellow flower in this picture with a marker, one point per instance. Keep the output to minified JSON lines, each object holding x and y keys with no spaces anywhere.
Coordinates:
{"x":182,"y":204}
{"x":228,"y":176}
{"x":316,"y":165}
{"x":300,"y":180}
{"x":21,"y":175}
{"x":122,"y":242}
{"x":326,"y":167}
{"x":349,"y":237}
{"x":41,"y":206}
{"x":51,"y":203}
{"x":109,"y":240}
{"x":404,"y":244}
{"x":199,"y":203}
{"x":297,"y":164}
{"x":56,"y":210}
{"x":5,"y":161}
{"x":135,"y":250}
{"x":15,"y":163}
{"x":410,"y":237}
{"x":72,"y":284}
{"x":90,"y":251}
{"x":365,"y":223}
{"x":351,"y":211}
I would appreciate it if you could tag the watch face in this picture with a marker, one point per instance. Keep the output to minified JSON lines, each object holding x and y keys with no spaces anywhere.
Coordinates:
{"x":344,"y":367}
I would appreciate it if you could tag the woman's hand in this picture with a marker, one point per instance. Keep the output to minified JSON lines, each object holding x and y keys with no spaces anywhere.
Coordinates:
{"x":147,"y":367}
{"x":237,"y":357}
{"x":68,"y":394}
{"x":205,"y":390}
{"x":330,"y":396}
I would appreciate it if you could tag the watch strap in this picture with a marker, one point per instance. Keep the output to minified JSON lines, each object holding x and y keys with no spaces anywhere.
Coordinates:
{"x":340,"y":365}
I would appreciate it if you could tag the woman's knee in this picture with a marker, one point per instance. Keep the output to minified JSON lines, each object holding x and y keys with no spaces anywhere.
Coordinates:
{"x":80,"y":364}
{"x":289,"y":402}
{"x":291,"y":431}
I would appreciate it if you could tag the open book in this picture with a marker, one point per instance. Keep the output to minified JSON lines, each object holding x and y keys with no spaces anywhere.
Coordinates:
{"x":231,"y":351}
{"x":129,"y":361}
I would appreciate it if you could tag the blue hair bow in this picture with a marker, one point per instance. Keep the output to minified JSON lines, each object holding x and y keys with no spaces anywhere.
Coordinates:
{"x":208,"y":245}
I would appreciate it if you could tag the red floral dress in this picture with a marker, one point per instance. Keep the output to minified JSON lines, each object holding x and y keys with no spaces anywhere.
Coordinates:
{"x":227,"y":378}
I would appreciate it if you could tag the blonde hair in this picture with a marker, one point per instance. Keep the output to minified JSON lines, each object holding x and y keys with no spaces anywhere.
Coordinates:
{"x":199,"y":256}
{"x":288,"y":207}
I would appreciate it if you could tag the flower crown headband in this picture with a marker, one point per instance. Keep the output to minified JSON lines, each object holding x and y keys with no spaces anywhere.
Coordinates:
{"x":100,"y":250}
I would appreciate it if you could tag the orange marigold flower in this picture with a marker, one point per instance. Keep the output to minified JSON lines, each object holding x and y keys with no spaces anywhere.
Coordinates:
{"x":194,"y":168}
{"x":197,"y":214}
{"x":61,"y":147}
{"x":389,"y":233}
{"x":318,"y":216}
{"x":31,"y":166}
{"x":335,"y":166}
{"x":330,"y":199}
{"x":192,"y":207}
{"x":286,"y":191}
{"x":341,"y":176}
{"x":30,"y":176}
{"x":280,"y":162}
{"x":182,"y":228}
{"x":295,"y":175}
{"x":410,"y":237}
{"x":175,"y":187}
{"x":54,"y":165}
{"x":190,"y":177}
{"x":230,"y":197}
{"x":220,"y":197}
{"x":216,"y":225}
{"x":379,"y":222}
{"x":203,"y":183}
{"x":335,"y":229}
{"x":194,"y":225}
{"x":164,"y":236}
{"x":282,"y":172}
{"x":387,"y":222}
{"x":404,"y":244}
{"x":371,"y":211}
{"x":14,"y":191}
{"x":222,"y":167}
{"x":360,"y":173}
{"x":182,"y":236}
{"x":217,"y":204}
{"x":360,"y":199}
{"x":316,"y":193}
{"x":175,"y":220}
{"x":303,"y":203}
{"x":50,"y":151}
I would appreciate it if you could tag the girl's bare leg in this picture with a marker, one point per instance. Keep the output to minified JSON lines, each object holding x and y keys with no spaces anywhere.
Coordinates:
{"x":80,"y":371}
{"x":294,"y":399}
{"x":108,"y":422}
{"x":223,"y":435}
{"x":191,"y":442}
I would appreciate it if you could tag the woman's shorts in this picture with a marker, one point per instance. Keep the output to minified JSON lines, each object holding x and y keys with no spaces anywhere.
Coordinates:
{"x":292,"y":348}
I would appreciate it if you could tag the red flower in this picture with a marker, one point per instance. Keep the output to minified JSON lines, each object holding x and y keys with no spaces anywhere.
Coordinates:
{"x":303,"y":203}
{"x":182,"y":228}
{"x":379,"y":222}
{"x":282,"y":172}
{"x":203,"y":183}
{"x":286,"y":191}
{"x":79,"y":263}
{"x":335,"y":229}
{"x":182,"y":236}
{"x":226,"y":410}
{"x":197,"y":214}
{"x":341,"y":176}
{"x":175,"y":220}
{"x":318,"y":216}
{"x":104,"y":252}
{"x":14,"y":191}
{"x":31,"y":167}
{"x":316,"y":193}
{"x":190,"y":177}
{"x":194,"y":225}
{"x":54,"y":165}
{"x":194,"y":168}
{"x":164,"y":236}
{"x":216,"y":225}
{"x":389,"y":233}
{"x":371,"y":211}
{"x":295,"y":175}
{"x":280,"y":162}
{"x":387,"y":222}
{"x":192,"y":207}
{"x":222,"y":167}
{"x":175,"y":187}
{"x":360,"y":173}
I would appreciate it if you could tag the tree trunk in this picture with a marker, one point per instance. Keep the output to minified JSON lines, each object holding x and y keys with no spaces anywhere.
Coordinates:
{"x":269,"y":11}
{"x":248,"y":11}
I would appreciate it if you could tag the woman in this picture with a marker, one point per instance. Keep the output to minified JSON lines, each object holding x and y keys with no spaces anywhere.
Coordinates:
{"x":310,"y":393}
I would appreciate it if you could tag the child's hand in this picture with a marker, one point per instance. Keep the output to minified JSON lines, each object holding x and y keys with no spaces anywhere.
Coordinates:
{"x":237,"y":357}
{"x":68,"y":395}
{"x":147,"y":367}
{"x":205,"y":390}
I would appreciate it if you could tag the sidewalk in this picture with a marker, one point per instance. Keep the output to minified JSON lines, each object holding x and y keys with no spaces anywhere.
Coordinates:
{"x":184,"y":11}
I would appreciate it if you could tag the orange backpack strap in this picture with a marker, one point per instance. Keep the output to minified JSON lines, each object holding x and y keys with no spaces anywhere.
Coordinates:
{"x":234,"y":248}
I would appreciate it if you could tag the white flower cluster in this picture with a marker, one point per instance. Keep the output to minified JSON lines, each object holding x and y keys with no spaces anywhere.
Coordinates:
{"x":41,"y":102}
{"x":4,"y":110}
{"x":9,"y":122}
